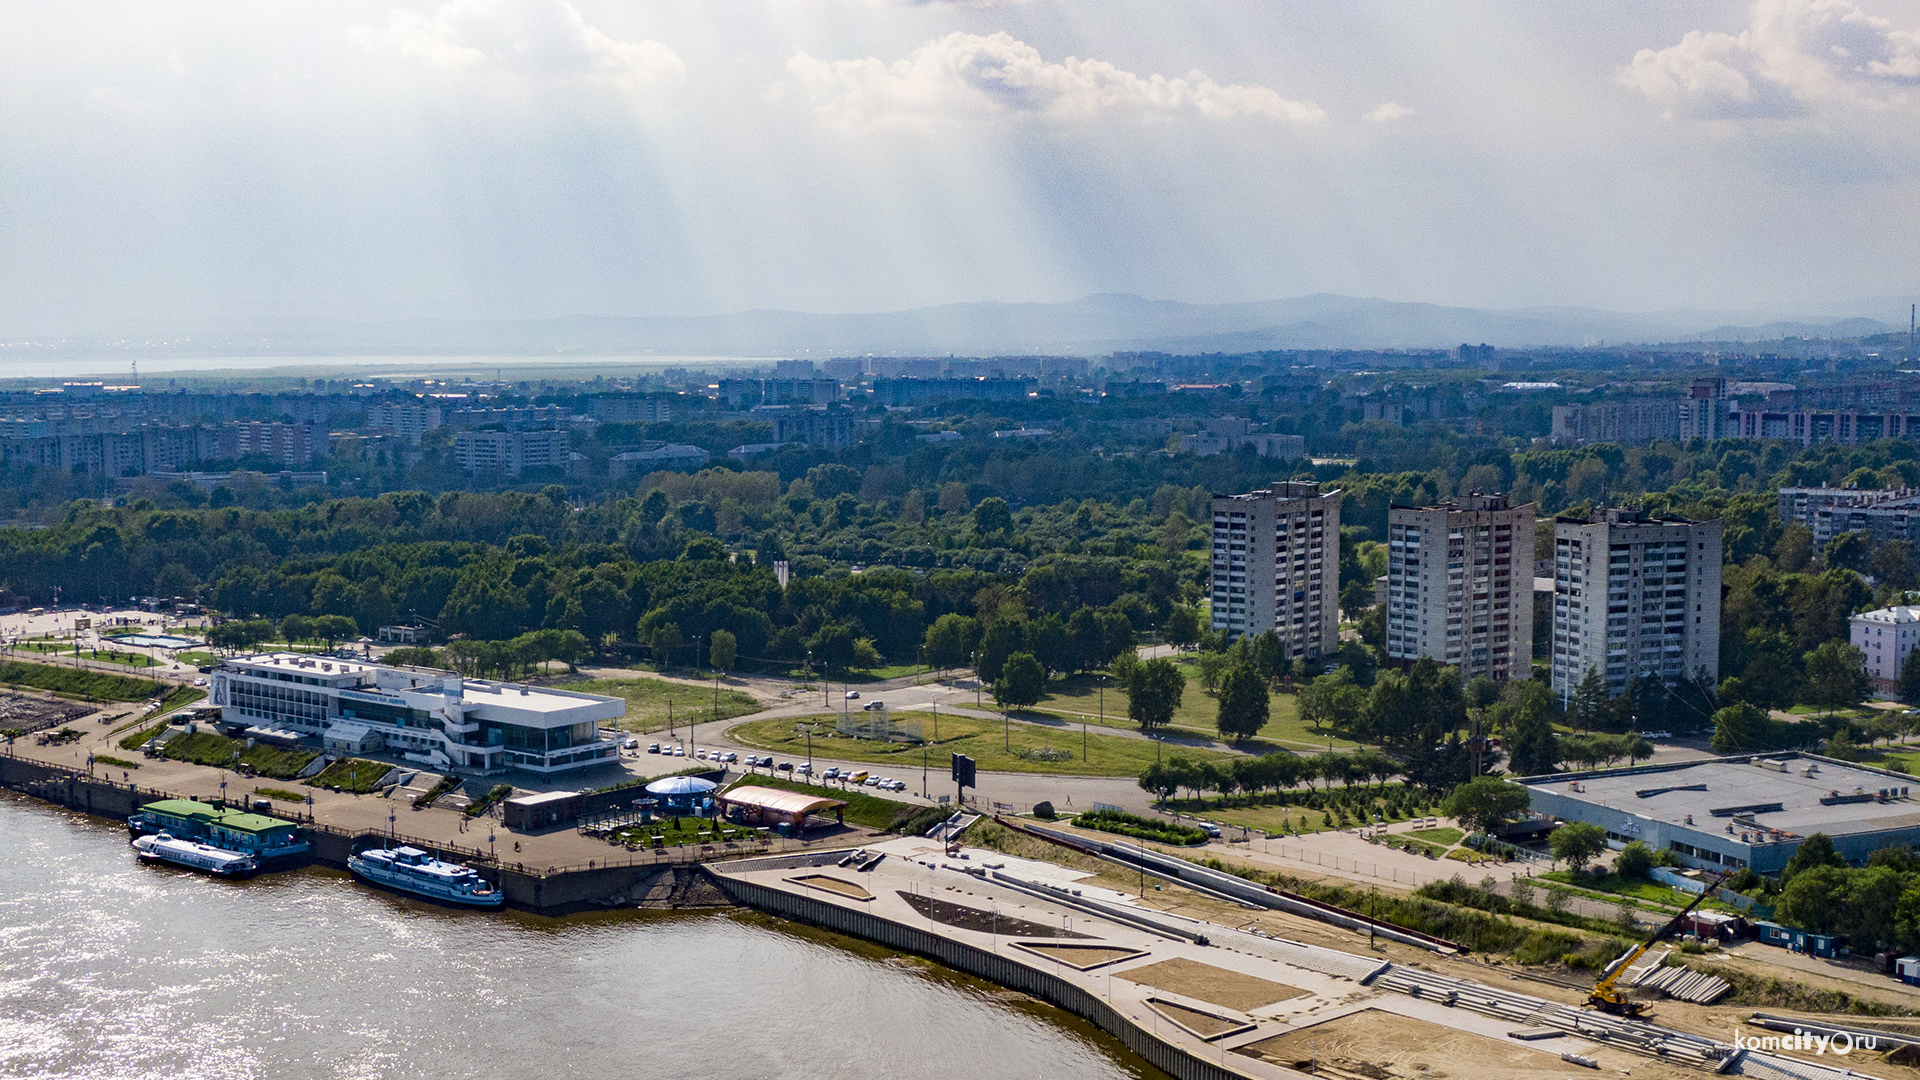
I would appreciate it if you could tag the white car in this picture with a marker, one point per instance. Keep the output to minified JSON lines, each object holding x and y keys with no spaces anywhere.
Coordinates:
{"x":701,"y":754}
{"x":679,"y":751}
{"x":729,"y":757}
{"x":630,"y":744}
{"x":873,"y":781}
{"x":853,"y":695}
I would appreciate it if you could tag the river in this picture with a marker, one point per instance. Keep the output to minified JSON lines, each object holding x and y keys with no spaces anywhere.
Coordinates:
{"x":112,"y":969}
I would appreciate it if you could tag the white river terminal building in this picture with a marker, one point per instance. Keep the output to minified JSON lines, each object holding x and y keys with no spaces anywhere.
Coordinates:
{"x":434,"y":718}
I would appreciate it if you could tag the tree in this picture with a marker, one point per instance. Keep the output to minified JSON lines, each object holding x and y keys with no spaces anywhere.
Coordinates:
{"x":1813,"y":900}
{"x":1182,"y":627}
{"x":723,"y":650}
{"x":1213,"y":667}
{"x":1022,"y":680}
{"x":1485,"y":803}
{"x":1160,"y":780}
{"x":1154,"y":689}
{"x":1243,"y":703}
{"x":665,"y":642}
{"x":1589,"y":702}
{"x":1332,"y":700}
{"x":1532,"y":748}
{"x":992,"y":516}
{"x":866,"y":655}
{"x":1837,"y":676}
{"x":1635,"y":860}
{"x":950,"y":641}
{"x":1815,"y":850}
{"x":1577,"y":843}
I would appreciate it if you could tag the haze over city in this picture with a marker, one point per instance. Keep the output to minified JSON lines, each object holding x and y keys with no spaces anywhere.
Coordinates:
{"x":175,"y":167}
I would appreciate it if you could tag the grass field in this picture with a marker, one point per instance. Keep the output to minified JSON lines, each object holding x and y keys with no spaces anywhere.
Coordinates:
{"x":352,"y":774}
{"x":110,"y":656}
{"x":1024,"y":748}
{"x":1615,"y":886}
{"x":209,"y":749}
{"x":1273,"y":819}
{"x":197,"y":659}
{"x":1079,"y":696}
{"x":76,"y":683}
{"x":139,"y":738}
{"x":649,"y":699}
{"x":280,"y":794}
{"x":118,"y":763}
{"x":1443,"y":836}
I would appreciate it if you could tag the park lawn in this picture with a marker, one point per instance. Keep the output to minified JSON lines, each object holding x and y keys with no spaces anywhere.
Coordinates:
{"x":1445,"y":837}
{"x":1020,"y":747}
{"x":197,"y":658}
{"x":207,"y":748}
{"x":70,"y":682}
{"x":1272,"y":819}
{"x":357,"y":775}
{"x":872,"y":811}
{"x":1613,"y":885}
{"x":1079,"y":696}
{"x":648,"y":702}
{"x":109,"y":656}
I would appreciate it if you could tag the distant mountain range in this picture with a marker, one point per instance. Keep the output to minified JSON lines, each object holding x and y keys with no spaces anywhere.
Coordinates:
{"x":1092,"y":326}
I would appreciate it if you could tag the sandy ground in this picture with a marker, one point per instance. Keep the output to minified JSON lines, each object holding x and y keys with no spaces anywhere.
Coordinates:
{"x":1204,"y":982}
{"x":1384,"y":1046}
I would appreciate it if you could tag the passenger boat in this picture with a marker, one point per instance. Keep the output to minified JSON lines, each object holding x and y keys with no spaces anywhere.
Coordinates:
{"x":164,"y":847}
{"x":410,"y":870}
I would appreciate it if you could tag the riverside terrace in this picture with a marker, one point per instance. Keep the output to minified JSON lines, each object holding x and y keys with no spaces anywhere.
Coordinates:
{"x":1211,"y":1002}
{"x":1752,"y":810}
{"x":432,"y":718}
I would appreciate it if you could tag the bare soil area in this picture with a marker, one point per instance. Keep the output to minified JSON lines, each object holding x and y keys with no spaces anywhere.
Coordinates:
{"x":983,"y":922}
{"x":1204,"y":982}
{"x":1204,"y":1024}
{"x":1384,"y":1046}
{"x":1081,"y":957}
{"x":832,"y":884}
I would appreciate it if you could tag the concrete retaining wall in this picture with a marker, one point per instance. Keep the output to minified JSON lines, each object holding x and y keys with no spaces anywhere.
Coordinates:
{"x":986,"y":965}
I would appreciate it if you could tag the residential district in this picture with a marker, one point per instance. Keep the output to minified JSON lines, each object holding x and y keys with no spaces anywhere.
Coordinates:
{"x":1387,"y":714}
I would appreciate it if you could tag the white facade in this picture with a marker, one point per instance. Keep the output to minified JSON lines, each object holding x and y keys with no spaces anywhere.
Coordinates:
{"x":434,"y":718}
{"x":1885,"y":637}
{"x":1460,"y":586}
{"x":1635,"y":596}
{"x":1276,"y":566}
{"x":512,"y":452}
{"x":410,"y":422}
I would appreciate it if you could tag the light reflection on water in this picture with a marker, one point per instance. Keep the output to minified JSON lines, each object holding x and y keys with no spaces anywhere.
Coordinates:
{"x":111,"y":969}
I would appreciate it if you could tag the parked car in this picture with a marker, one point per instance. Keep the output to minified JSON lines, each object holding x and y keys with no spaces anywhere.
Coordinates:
{"x":895,"y":785}
{"x":803,"y":770}
{"x":630,"y":744}
{"x":853,"y":695}
{"x":785,"y":766}
{"x":1656,"y":734}
{"x":873,"y":705}
{"x":832,"y":773}
{"x":729,"y":757}
{"x":679,"y":751}
{"x":701,"y":754}
{"x":872,"y":781}
{"x":856,"y":778}
{"x":1210,"y":829}
{"x":653,"y":748}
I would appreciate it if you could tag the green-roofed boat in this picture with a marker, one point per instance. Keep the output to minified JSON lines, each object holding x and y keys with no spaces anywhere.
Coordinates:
{"x":266,"y":840}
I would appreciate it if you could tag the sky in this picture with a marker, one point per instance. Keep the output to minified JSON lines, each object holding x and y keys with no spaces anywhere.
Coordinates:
{"x":163,"y":161}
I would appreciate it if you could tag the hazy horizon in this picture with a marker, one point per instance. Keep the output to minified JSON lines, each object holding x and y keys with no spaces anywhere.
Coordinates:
{"x":529,"y":159}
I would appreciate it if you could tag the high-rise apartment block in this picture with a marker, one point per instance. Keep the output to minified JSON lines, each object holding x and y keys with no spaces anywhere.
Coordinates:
{"x":1276,"y":566}
{"x":1460,"y":586}
{"x":1635,"y":596}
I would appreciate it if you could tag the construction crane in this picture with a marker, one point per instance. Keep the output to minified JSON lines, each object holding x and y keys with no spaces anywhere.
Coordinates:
{"x":1606,"y":995}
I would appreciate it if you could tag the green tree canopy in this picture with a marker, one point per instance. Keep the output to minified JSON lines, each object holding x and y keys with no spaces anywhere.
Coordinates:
{"x":1154,"y":689}
{"x":1243,"y":703}
{"x":1577,"y":843}
{"x":1485,"y":803}
{"x":1022,"y":681}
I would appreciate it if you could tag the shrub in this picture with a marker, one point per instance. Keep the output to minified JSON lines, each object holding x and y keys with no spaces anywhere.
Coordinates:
{"x":1141,"y":828}
{"x":1043,"y":811}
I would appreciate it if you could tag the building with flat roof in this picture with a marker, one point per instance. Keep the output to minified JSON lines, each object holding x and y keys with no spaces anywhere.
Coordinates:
{"x":1276,"y":566}
{"x":1725,"y":813}
{"x":1459,"y":586}
{"x":433,"y":718}
{"x":1635,"y":596}
{"x":1885,"y":637}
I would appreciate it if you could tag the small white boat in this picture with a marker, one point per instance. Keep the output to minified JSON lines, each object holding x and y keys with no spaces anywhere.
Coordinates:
{"x":410,"y":870}
{"x":164,"y":847}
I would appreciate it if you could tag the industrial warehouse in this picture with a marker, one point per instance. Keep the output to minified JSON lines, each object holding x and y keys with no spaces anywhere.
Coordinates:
{"x":1753,"y":810}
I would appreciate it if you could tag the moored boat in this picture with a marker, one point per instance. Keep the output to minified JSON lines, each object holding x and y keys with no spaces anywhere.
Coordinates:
{"x":410,"y":870}
{"x":164,"y":847}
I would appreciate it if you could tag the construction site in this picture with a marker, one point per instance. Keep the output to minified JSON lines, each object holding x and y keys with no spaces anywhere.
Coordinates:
{"x":1206,"y":974}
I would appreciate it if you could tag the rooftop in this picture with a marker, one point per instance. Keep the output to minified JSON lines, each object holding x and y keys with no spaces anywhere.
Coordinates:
{"x":1890,"y":615}
{"x":1796,"y":794}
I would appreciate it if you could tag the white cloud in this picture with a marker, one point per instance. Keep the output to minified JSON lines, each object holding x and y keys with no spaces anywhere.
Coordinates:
{"x":531,"y":38}
{"x":1387,"y":112}
{"x":967,"y":74}
{"x":1794,"y":57}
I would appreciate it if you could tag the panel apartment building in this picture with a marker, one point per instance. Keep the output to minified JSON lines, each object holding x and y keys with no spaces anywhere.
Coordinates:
{"x":1460,"y":586}
{"x":1634,"y":595}
{"x":1276,"y":566}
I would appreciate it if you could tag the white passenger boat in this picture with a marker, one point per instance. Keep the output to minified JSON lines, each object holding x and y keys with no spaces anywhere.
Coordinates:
{"x":411,"y":870}
{"x":164,"y":847}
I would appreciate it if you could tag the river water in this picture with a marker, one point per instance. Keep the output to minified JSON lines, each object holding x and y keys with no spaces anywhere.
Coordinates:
{"x":111,"y":969}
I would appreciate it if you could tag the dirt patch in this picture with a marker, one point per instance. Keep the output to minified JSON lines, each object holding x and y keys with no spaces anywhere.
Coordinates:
{"x":833,"y":885}
{"x":1081,"y":957}
{"x":983,"y":921}
{"x":1204,"y":1024}
{"x":1386,"y":1046}
{"x":1191,"y":978}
